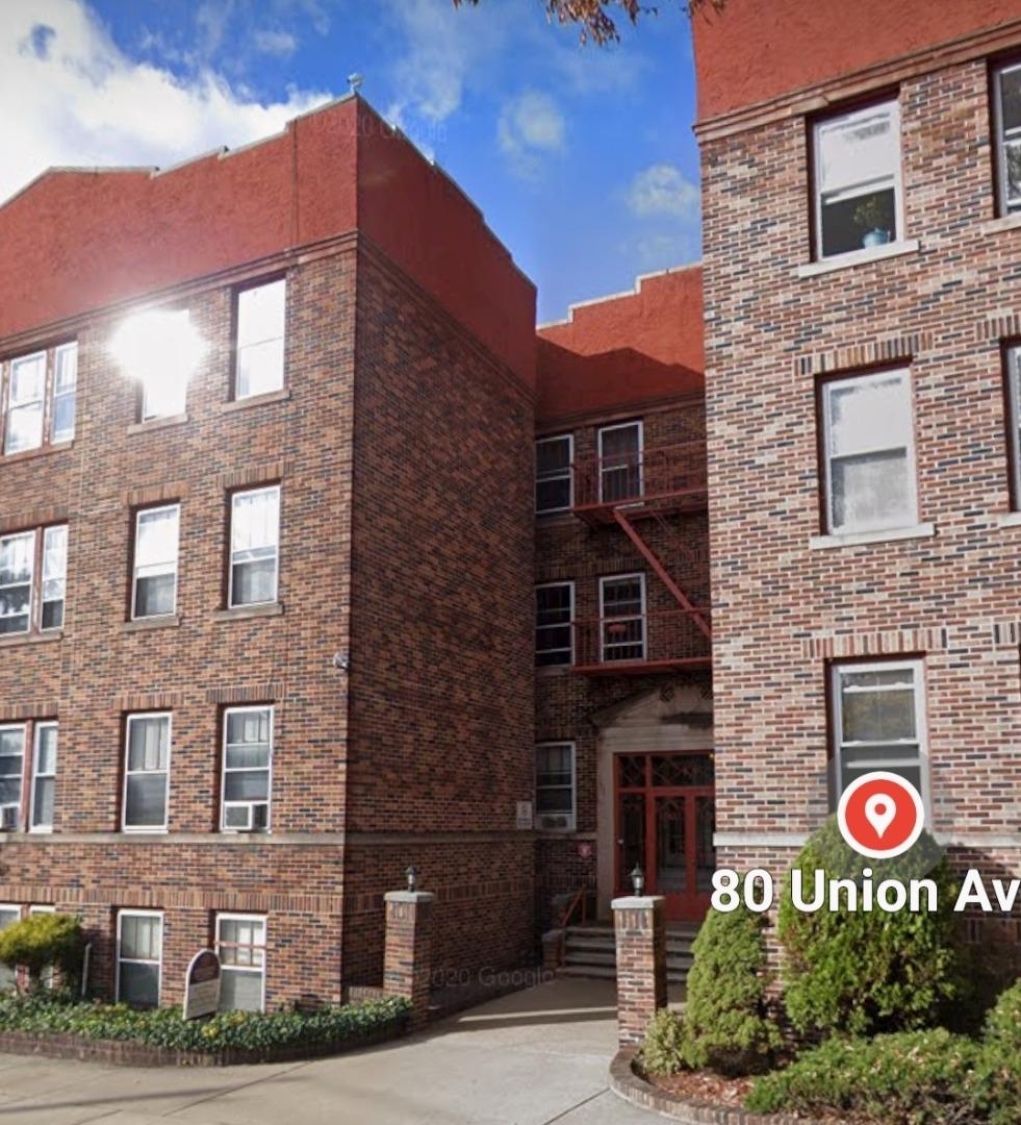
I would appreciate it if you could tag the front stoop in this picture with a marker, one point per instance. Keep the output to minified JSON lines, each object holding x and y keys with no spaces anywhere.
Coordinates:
{"x":627,"y":1085}
{"x":590,"y":951}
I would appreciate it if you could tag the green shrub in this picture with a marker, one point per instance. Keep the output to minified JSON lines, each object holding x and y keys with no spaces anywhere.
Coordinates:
{"x":867,"y":972}
{"x":911,"y":1078}
{"x":41,"y":941}
{"x":1003,"y":1023}
{"x":43,"y":1013}
{"x":661,"y":1049}
{"x":726,"y":1025}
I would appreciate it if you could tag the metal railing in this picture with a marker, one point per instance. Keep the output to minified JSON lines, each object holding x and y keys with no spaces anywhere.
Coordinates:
{"x":657,"y":636}
{"x":649,"y":474}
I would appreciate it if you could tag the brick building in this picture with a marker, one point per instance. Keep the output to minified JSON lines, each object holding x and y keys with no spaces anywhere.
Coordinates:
{"x":863,"y":307}
{"x":266,"y":552}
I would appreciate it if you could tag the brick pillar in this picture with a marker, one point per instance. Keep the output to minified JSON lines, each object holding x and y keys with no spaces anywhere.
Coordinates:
{"x":552,"y":950}
{"x":640,"y":928}
{"x":407,"y":961}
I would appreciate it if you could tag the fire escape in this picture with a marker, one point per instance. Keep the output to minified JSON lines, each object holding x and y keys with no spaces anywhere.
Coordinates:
{"x":650,"y":494}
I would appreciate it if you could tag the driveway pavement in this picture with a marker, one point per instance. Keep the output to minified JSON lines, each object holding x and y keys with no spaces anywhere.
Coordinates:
{"x":532,"y":1058}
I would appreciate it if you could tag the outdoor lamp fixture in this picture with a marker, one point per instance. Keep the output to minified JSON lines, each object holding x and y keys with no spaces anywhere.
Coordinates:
{"x":160,"y":348}
{"x":638,"y":879}
{"x":412,"y":874}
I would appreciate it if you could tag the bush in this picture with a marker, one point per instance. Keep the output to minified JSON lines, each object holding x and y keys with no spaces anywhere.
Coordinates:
{"x":863,"y":973}
{"x":1003,"y":1023}
{"x":726,"y":1025}
{"x":909,"y":1078}
{"x":43,"y":1013}
{"x":661,"y":1049}
{"x":41,"y":941}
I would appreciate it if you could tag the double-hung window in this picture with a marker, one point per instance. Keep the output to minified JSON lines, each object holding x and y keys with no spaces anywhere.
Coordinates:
{"x":554,"y":617}
{"x":553,"y":474}
{"x":622,"y":610}
{"x":9,"y":914}
{"x":554,"y":786}
{"x":241,"y":946}
{"x":154,"y":585}
{"x":1007,"y":116}
{"x":247,"y":765}
{"x":254,"y":546}
{"x":139,"y":957}
{"x":869,"y":453}
{"x":12,"y":773}
{"x":146,"y":772}
{"x":620,"y":462}
{"x":44,"y":778}
{"x":38,"y":783}
{"x":879,"y":722}
{"x":259,"y":348}
{"x":1014,"y":423}
{"x":857,"y":193}
{"x":33,"y":576}
{"x":39,"y":394}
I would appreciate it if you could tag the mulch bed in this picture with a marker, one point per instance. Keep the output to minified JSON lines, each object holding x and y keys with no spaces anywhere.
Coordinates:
{"x":703,"y":1085}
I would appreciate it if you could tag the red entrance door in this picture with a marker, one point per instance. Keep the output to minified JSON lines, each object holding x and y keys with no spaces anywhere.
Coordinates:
{"x":665,"y":822}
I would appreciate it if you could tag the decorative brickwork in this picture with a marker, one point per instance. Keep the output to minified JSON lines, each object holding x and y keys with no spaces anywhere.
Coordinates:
{"x":640,"y":928}
{"x":407,"y":965}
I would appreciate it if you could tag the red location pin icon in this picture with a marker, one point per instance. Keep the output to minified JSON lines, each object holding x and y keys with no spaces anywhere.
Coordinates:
{"x":881,"y":815}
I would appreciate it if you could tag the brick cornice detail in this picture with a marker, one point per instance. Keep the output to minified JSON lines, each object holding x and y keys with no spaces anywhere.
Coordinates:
{"x":151,"y":701}
{"x":159,"y":898}
{"x":870,"y":354}
{"x":25,"y":520}
{"x":252,"y":474}
{"x":1002,"y":325}
{"x":19,"y":712}
{"x":155,"y":494}
{"x":256,"y":693}
{"x":887,"y":642}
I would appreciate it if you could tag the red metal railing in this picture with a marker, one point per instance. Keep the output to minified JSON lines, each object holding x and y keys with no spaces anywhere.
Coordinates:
{"x":579,"y":901}
{"x":651,"y":474}
{"x":627,"y":644}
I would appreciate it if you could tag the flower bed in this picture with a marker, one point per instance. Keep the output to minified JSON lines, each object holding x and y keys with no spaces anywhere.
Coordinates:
{"x":48,"y":1024}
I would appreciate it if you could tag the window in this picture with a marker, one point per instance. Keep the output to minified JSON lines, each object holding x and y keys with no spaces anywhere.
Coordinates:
{"x":553,"y":474}
{"x":620,"y":462}
{"x":554,"y":614}
{"x":33,"y":570}
{"x":9,"y":914}
{"x":254,"y":546}
{"x":139,"y":957}
{"x":12,"y":770}
{"x":247,"y":760}
{"x":1014,"y":422}
{"x":858,"y":196}
{"x":49,"y":973}
{"x":44,"y":777}
{"x":147,"y":773}
{"x":164,"y":377}
{"x":154,"y":588}
{"x":879,"y":722}
{"x":259,"y":361}
{"x":554,"y":785}
{"x":869,"y":453}
{"x":1007,"y":115}
{"x":36,"y":385}
{"x":622,"y":609}
{"x":241,"y":946}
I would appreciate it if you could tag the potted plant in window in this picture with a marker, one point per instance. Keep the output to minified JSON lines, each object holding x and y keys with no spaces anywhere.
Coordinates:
{"x":874,"y":217}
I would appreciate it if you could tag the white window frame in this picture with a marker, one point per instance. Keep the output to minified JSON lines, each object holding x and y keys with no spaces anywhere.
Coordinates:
{"x":48,"y":974}
{"x":570,"y":817}
{"x":838,"y":745}
{"x":853,"y":190}
{"x":10,"y":975}
{"x":1003,"y":205}
{"x":12,"y":407}
{"x":37,"y":579}
{"x":240,"y":347}
{"x":19,"y":807}
{"x":29,"y":616}
{"x":141,"y":716}
{"x":224,"y":827}
{"x":1014,"y":399}
{"x":130,"y":912}
{"x":57,"y":437}
{"x":563,"y":474}
{"x":911,"y":518}
{"x":234,"y":497}
{"x":603,"y":619}
{"x":169,"y":566}
{"x":570,"y":627}
{"x":262,"y":919}
{"x":61,"y":579}
{"x":48,"y":724}
{"x":639,"y":463}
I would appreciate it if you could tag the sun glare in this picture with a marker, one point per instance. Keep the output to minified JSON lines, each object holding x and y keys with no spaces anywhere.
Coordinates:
{"x":160,"y":349}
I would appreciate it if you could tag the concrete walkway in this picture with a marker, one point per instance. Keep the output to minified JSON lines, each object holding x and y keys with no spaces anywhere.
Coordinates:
{"x":532,"y":1058}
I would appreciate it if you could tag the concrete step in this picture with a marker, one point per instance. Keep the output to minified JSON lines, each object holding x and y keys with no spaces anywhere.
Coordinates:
{"x":591,"y":958}
{"x":600,"y":971}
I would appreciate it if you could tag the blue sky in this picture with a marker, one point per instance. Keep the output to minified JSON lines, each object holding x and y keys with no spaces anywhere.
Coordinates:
{"x":582,"y":158}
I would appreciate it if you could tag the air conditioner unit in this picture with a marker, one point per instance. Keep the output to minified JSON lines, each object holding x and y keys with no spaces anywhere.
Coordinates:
{"x":554,"y":821}
{"x":246,"y":816}
{"x":8,"y":818}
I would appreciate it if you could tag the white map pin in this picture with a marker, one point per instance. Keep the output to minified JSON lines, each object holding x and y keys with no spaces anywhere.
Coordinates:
{"x":880,"y":812}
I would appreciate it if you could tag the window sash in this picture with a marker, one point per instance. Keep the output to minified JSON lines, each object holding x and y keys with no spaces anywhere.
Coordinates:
{"x":53,"y":589}
{"x":1014,"y":397}
{"x":555,"y":788}
{"x":26,"y":396}
{"x":554,"y":626}
{"x":44,"y":775}
{"x":622,"y":618}
{"x":17,"y":572}
{"x":144,"y":932}
{"x":146,"y":772}
{"x":554,"y":483}
{"x":156,"y":559}
{"x":1008,"y":141}
{"x":620,"y":462}
{"x":9,"y":914}
{"x":12,"y":767}
{"x":241,"y":947}
{"x":254,"y":547}
{"x":65,"y":389}
{"x":871,"y":449}
{"x":247,"y":779}
{"x":261,"y":329}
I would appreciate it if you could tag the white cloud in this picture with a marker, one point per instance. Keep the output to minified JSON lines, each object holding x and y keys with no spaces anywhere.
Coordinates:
{"x":81,"y":101}
{"x":281,"y":43}
{"x":529,"y":125}
{"x":662,"y":190}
